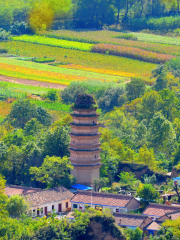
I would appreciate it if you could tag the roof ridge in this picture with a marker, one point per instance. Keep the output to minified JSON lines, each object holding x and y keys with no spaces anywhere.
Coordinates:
{"x":49,"y":189}
{"x":172,"y":212}
{"x":104,"y":193}
{"x":19,"y":186}
{"x":131,"y":214}
{"x":164,"y":205}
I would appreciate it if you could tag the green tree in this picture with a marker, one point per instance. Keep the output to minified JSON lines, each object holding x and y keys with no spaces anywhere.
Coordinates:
{"x":147,"y":193}
{"x":132,"y":234}
{"x":56,"y":142}
{"x":55,"y":171}
{"x":127,"y":179}
{"x":135,"y":89}
{"x":52,"y":95}
{"x":3,"y":198}
{"x":16,"y":206}
{"x":99,"y":183}
{"x":32,"y":127}
{"x":161,"y":82}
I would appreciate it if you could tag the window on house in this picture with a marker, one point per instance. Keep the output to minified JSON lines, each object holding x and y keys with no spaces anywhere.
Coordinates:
{"x":52,"y":207}
{"x":38,"y":212}
{"x":41,"y":210}
{"x":75,"y":206}
{"x":80,"y":206}
{"x":66,"y":204}
{"x":117,"y":209}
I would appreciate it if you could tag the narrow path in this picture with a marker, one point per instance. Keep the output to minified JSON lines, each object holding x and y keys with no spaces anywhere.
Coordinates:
{"x":31,"y":82}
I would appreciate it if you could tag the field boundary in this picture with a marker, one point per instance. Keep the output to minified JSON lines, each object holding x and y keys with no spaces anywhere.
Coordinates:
{"x":32,"y":82}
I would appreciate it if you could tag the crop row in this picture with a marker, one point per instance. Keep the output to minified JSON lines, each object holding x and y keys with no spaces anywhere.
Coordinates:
{"x":87,"y":59}
{"x":130,"y":52}
{"x":54,"y":42}
{"x":111,"y":37}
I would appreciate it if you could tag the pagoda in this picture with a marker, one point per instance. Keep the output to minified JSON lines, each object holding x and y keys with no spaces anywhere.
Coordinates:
{"x":85,"y":146}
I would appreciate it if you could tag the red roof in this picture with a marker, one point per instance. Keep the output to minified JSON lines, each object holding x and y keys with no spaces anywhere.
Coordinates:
{"x":159,"y":209}
{"x":105,"y":199}
{"x":153,"y":226}
{"x":174,"y":215}
{"x":128,"y":219}
{"x":18,"y":190}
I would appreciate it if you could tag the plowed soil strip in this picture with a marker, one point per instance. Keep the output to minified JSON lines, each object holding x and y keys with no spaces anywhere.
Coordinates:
{"x":32,"y":82}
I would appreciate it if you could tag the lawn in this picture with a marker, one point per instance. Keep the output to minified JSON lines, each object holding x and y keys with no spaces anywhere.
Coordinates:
{"x":87,"y":59}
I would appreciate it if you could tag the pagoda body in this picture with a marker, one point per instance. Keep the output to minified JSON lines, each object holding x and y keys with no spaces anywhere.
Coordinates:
{"x":85,"y":146}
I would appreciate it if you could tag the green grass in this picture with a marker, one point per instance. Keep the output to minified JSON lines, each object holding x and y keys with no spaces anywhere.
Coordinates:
{"x":81,"y":58}
{"x":54,"y":42}
{"x":24,"y":88}
{"x":146,"y":37}
{"x":57,"y":106}
{"x":43,"y":60}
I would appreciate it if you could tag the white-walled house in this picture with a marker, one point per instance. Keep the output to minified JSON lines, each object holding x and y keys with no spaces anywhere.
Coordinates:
{"x":115,"y":202}
{"x":46,"y":201}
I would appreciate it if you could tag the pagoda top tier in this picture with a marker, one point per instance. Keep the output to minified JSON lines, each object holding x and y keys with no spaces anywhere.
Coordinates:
{"x":84,"y":101}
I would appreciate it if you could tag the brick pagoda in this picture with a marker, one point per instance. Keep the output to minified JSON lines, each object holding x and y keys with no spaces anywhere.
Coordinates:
{"x":85,"y":145}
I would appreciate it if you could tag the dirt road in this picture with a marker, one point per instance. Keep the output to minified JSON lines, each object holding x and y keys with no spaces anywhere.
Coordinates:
{"x":31,"y":82}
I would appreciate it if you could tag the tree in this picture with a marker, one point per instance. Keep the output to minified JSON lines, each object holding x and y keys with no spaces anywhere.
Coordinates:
{"x":147,"y":193}
{"x":3,"y":198}
{"x":52,"y":95}
{"x":23,"y":110}
{"x":132,"y":234}
{"x":54,"y":171}
{"x":161,"y":82}
{"x":127,"y":179}
{"x":135,"y":89}
{"x":32,"y":127}
{"x":56,"y":142}
{"x":16,"y":206}
{"x":99,"y":183}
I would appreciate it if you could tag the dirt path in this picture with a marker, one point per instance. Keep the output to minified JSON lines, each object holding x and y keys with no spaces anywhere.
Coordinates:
{"x":31,"y":82}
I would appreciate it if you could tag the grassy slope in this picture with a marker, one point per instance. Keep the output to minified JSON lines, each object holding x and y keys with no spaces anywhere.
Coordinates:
{"x":79,"y":57}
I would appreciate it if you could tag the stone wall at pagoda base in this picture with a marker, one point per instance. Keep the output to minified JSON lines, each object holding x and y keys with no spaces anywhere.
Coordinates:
{"x":85,"y":146}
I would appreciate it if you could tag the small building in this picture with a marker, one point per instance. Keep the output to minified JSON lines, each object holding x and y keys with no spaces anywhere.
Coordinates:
{"x":169,"y":216}
{"x":176,"y":180}
{"x":155,"y":210}
{"x":152,"y":228}
{"x":46,"y":201}
{"x":100,"y":201}
{"x":132,"y":221}
{"x":11,"y":190}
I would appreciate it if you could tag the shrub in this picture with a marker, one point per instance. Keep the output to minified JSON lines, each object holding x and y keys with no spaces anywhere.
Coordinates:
{"x":19,"y":28}
{"x":43,"y":60}
{"x":4,"y":35}
{"x":127,"y":36}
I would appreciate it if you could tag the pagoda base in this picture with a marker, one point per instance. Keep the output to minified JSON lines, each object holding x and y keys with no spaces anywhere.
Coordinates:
{"x":86,"y":174}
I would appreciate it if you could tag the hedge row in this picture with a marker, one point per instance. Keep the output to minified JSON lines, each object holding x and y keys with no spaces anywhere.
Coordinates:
{"x":131,"y":52}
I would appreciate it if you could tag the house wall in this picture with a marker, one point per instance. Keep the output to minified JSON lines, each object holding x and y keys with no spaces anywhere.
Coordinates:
{"x":133,"y":204}
{"x":34,"y":210}
{"x":81,"y":206}
{"x":145,"y":223}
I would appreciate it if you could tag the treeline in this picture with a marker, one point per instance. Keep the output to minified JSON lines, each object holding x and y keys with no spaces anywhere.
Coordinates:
{"x":133,"y":14}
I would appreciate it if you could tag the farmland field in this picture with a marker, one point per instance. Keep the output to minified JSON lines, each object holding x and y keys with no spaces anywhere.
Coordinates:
{"x":54,"y":42}
{"x":161,"y":44}
{"x":80,"y":58}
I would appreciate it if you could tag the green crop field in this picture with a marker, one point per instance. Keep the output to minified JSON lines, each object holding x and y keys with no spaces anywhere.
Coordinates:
{"x":79,"y":57}
{"x":54,"y":42}
{"x":145,"y":41}
{"x":57,"y":106}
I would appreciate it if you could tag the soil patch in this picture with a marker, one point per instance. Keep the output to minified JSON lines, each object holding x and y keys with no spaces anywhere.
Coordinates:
{"x":31,"y":82}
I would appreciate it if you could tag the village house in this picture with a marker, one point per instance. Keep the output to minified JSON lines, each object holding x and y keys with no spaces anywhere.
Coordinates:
{"x":155,"y":211}
{"x":100,"y":201}
{"x":11,"y":190}
{"x":46,"y":201}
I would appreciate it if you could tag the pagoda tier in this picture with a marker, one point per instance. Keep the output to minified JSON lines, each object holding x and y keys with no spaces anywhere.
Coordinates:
{"x":85,"y":146}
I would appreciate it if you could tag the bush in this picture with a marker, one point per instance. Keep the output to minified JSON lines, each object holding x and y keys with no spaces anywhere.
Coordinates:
{"x":4,"y":35}
{"x":19,"y":28}
{"x":43,"y":60}
{"x":127,"y":36}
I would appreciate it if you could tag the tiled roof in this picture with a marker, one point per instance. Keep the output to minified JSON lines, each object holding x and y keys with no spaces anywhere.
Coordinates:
{"x":17,"y":190}
{"x":153,"y":226}
{"x":48,"y":196}
{"x":159,"y":209}
{"x":105,"y":199}
{"x":174,"y":215}
{"x":127,"y":219}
